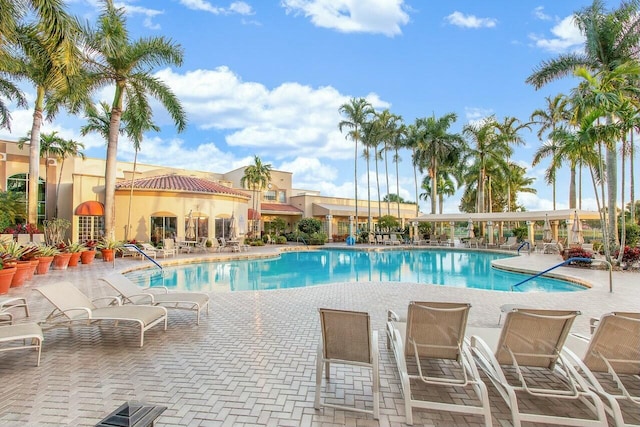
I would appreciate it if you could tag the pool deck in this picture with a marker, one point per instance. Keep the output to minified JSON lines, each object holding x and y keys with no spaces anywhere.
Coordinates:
{"x":251,"y":361}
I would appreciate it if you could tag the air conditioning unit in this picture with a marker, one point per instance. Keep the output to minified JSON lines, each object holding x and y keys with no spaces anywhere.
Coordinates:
{"x":3,"y":157}
{"x":52,"y":162}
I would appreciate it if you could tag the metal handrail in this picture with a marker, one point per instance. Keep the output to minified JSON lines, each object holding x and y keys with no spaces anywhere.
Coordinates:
{"x":522,"y":245}
{"x":130,"y":245}
{"x":298,"y":239}
{"x":567,"y":261}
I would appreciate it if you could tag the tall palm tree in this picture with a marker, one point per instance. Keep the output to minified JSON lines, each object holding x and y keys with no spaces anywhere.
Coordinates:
{"x":509,"y":130}
{"x":127,"y":64}
{"x":367,"y":137}
{"x":486,"y":148}
{"x":412,"y":141}
{"x":356,"y":113}
{"x":612,"y":38}
{"x":436,"y":146}
{"x":388,"y":123}
{"x":256,"y":177}
{"x":554,"y":114}
{"x":397,"y":143}
{"x":50,"y":65}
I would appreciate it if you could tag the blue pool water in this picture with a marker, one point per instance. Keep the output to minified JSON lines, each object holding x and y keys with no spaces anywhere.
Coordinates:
{"x":462,"y":269}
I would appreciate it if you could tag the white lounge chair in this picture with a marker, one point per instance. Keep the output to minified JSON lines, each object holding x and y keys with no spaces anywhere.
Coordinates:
{"x":394,"y":239}
{"x":73,"y":307}
{"x":7,"y":303}
{"x":169,"y":247}
{"x":129,"y":292}
{"x":434,"y":332}
{"x":347,"y":339}
{"x":526,"y":349}
{"x":24,"y":332}
{"x":511,"y":243}
{"x":610,"y":362}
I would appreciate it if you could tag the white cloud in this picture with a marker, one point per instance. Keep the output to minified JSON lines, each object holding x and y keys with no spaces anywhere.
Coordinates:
{"x":148,"y":14}
{"x":459,"y":19}
{"x":567,"y":37}
{"x":353,"y":16}
{"x":538,"y":12}
{"x":238,"y":7}
{"x":287,"y":121}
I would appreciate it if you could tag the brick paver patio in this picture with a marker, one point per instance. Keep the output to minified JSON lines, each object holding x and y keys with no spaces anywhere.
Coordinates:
{"x":251,"y":362}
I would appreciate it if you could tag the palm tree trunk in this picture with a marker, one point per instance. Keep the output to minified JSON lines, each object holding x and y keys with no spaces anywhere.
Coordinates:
{"x":612,"y":189}
{"x":480,"y":191}
{"x":110,"y":174}
{"x":632,"y":209}
{"x":572,"y":186}
{"x":415,"y":181}
{"x":434,"y":185}
{"x":355,"y":181}
{"x":378,"y":184}
{"x":58,"y":186}
{"x":386,"y":171}
{"x":133,"y":177}
{"x":397,"y":182}
{"x":622,"y":219}
{"x":554,"y":193}
{"x":368,"y":195}
{"x":34,"y":159}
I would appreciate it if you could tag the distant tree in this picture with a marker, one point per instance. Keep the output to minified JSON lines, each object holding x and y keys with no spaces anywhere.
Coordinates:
{"x":394,"y":198}
{"x":388,"y":222}
{"x":256,"y":178}
{"x":310,"y":225}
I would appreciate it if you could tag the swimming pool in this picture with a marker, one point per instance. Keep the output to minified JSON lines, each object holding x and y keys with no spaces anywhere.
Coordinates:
{"x":466,"y":269}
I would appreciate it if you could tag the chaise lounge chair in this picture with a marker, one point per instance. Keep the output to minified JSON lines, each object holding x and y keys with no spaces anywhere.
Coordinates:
{"x":129,"y":292}
{"x":610,"y":362}
{"x":526,"y":350}
{"x":434,"y":334}
{"x":73,"y":307}
{"x":511,"y":243}
{"x":22,"y":332}
{"x":347,"y":339}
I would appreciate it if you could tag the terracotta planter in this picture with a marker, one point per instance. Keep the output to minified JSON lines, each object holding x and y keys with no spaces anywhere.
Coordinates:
{"x":107,"y":254}
{"x":44,"y":263}
{"x":34,"y":265}
{"x":75,"y":259}
{"x":61,"y":261}
{"x":6,"y":275}
{"x":23,"y":271}
{"x":87,"y":257}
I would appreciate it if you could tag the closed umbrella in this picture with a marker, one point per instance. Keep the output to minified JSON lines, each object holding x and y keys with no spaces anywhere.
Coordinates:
{"x":190,"y":232}
{"x":546,"y":230}
{"x":233,"y":229}
{"x":576,"y":230}
{"x":470,"y":229}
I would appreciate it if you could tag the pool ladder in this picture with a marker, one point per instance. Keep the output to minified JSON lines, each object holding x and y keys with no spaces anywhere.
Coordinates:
{"x":565,"y":262}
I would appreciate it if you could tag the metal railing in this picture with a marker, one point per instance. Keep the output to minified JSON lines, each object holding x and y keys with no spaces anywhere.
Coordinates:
{"x":565,"y":262}
{"x":298,"y":239}
{"x":132,"y":246}
{"x":525,"y":243}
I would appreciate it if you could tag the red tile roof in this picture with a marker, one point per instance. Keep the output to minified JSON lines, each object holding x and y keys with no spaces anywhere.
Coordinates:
{"x":180,"y":183}
{"x":278,"y":207}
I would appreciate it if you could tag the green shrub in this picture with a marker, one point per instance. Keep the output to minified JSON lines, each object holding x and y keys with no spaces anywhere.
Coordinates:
{"x":520,"y":232}
{"x":317,"y":239}
{"x":632,"y":234}
{"x":309,"y":225}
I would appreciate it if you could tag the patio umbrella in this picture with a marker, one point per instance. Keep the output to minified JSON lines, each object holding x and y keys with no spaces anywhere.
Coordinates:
{"x":576,"y":230}
{"x":190,"y":232}
{"x":233,"y":229}
{"x":546,"y":230}
{"x":470,"y":229}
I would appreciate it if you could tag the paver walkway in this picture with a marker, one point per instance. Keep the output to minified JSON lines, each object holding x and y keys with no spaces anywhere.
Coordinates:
{"x":251,"y":362}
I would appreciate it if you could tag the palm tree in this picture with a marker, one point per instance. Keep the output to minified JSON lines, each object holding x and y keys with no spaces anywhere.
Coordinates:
{"x":436,"y":146}
{"x":256,"y":177}
{"x":356,"y":113}
{"x":117,"y":60}
{"x":412,"y":142}
{"x":388,"y":126}
{"x":397,"y":143}
{"x":486,"y":149}
{"x":370,"y":140}
{"x":67,"y":148}
{"x":554,"y":114}
{"x":50,"y":65}
{"x":611,"y":39}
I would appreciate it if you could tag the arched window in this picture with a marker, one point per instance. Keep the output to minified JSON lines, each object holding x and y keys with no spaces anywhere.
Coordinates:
{"x":90,"y":220}
{"x":19,"y":183}
{"x":163,"y":226}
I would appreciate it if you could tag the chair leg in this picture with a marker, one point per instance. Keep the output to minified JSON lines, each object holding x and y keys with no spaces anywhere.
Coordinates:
{"x":319,"y":365}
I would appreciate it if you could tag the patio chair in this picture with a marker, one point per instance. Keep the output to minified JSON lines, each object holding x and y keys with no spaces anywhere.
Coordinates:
{"x":22,"y":332}
{"x":524,"y":360}
{"x":38,"y":239}
{"x":7,"y":303}
{"x":472,"y":242}
{"x":394,"y":239}
{"x":511,"y":243}
{"x":610,"y":362}
{"x":129,"y":292}
{"x":23,"y":239}
{"x":347,"y":339}
{"x":202,"y":244}
{"x":433,"y":334}
{"x":74,"y":307}
{"x":169,"y":247}
{"x":379,"y":239}
{"x":151,"y":251}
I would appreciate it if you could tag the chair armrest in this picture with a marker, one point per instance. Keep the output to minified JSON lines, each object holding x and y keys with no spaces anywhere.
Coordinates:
{"x":142,"y":295}
{"x":160,"y":288}
{"x":114,"y":300}
{"x":392,"y":316}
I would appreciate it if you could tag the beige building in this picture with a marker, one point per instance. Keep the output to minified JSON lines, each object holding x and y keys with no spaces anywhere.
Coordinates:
{"x":159,"y":202}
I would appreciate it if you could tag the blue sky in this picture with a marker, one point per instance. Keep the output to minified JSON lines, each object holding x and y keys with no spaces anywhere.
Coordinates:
{"x":267,"y":78}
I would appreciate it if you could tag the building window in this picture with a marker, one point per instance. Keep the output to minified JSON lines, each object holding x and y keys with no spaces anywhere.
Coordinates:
{"x":282,"y":196}
{"x":163,"y":227}
{"x":19,"y":183}
{"x":90,"y":228}
{"x":270,"y":195}
{"x":343,"y":227}
{"x":196,"y":227}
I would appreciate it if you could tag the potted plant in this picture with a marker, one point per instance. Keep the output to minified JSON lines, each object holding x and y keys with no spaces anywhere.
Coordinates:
{"x":108,"y":247}
{"x":7,"y":270}
{"x":45,"y":257}
{"x":86,"y":257}
{"x":75,"y":249}
{"x":29,"y":257}
{"x":23,"y":269}
{"x":61,"y":259}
